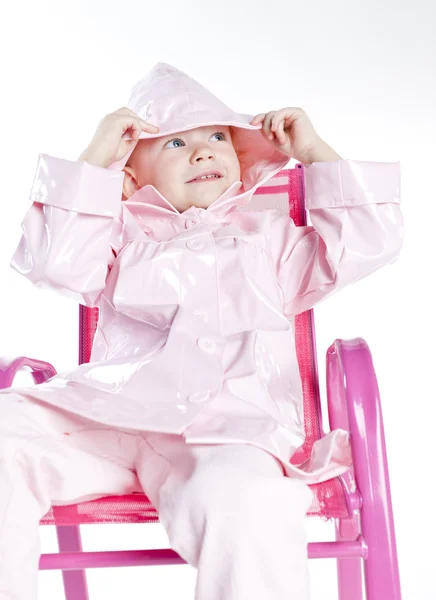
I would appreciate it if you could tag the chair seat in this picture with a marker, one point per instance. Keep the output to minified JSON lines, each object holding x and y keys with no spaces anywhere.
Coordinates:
{"x":328,"y":502}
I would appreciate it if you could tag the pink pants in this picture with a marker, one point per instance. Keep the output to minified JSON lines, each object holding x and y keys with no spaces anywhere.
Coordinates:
{"x":228,"y":510}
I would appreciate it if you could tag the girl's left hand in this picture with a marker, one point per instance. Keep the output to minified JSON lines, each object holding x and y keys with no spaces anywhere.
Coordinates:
{"x":290,"y":130}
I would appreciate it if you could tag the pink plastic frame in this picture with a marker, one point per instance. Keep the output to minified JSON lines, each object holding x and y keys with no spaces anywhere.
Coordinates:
{"x":354,"y":405}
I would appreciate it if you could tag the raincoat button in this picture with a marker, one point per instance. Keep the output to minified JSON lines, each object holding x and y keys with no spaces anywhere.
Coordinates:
{"x":200,"y":315}
{"x":206,"y":344}
{"x":199,"y":397}
{"x":194,"y":244}
{"x":190,"y":223}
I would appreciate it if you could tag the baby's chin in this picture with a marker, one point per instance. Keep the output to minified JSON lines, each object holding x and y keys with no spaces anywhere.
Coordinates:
{"x":204,"y":199}
{"x":203,"y":203}
{"x":202,"y":196}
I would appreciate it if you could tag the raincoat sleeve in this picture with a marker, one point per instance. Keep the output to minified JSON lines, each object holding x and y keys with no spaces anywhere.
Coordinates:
{"x":72,"y":230}
{"x":357,"y":227}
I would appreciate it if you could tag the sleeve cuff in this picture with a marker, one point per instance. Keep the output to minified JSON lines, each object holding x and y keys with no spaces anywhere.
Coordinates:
{"x":77,"y":186}
{"x":351,"y":183}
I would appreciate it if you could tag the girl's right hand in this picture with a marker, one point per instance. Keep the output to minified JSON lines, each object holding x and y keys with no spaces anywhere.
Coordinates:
{"x":109,"y":144}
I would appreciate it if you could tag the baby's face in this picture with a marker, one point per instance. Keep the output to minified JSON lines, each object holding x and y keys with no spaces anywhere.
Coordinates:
{"x":175,"y":163}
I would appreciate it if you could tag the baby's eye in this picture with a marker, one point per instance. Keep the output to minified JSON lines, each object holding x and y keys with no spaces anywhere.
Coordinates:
{"x":175,"y":141}
{"x":221,"y":136}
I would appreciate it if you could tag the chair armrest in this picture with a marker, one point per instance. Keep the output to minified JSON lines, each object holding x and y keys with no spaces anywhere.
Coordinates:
{"x":9,"y":367}
{"x":354,"y":405}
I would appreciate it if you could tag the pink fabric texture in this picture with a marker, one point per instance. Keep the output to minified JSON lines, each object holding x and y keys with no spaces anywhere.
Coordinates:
{"x":195,"y":334}
{"x":208,"y":498}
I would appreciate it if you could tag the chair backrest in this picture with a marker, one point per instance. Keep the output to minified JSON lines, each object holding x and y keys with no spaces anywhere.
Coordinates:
{"x":285,"y":193}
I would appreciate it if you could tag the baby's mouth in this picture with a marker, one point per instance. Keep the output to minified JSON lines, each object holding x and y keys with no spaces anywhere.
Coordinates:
{"x":208,"y":176}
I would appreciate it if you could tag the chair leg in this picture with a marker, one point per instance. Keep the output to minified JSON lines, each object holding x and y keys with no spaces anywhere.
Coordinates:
{"x":382,"y":577}
{"x":349,"y":569}
{"x":69,"y":540}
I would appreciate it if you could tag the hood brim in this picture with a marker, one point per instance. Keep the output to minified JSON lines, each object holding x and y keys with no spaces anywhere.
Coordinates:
{"x":257,"y":156}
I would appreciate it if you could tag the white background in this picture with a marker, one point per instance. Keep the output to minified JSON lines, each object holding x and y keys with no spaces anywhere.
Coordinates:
{"x":365,"y":74}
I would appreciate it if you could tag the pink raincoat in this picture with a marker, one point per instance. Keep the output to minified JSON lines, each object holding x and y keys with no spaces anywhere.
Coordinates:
{"x":195,"y":334}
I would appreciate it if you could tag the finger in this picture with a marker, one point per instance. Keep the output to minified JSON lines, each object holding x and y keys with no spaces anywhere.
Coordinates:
{"x":278,"y":117}
{"x":138,"y":126}
{"x":134,"y":128}
{"x":258,"y":119}
{"x":280,"y":132}
{"x":135,"y":131}
{"x":288,"y":115}
{"x":149,"y":127}
{"x":128,"y":113}
{"x":128,"y":126}
{"x":267,"y":125}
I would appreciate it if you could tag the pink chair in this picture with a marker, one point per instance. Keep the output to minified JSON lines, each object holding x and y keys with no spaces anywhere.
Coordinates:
{"x":359,"y":501}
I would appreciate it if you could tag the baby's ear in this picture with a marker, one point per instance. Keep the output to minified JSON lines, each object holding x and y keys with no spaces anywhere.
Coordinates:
{"x":130,"y":183}
{"x":241,"y":154}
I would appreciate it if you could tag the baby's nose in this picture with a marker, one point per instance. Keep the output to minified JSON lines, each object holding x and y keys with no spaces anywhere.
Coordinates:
{"x":204,"y":153}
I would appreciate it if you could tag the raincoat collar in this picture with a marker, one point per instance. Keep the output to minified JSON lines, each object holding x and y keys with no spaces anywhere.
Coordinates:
{"x":150,"y":196}
{"x":160,"y":220}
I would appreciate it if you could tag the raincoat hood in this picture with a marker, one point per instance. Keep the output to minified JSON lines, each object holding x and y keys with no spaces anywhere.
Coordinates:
{"x":175,"y":102}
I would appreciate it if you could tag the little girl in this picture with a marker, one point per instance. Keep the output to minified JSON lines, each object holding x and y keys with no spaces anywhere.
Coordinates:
{"x":193,"y":391}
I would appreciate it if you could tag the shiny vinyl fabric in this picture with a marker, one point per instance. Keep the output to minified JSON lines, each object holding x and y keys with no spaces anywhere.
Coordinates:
{"x":195,"y":333}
